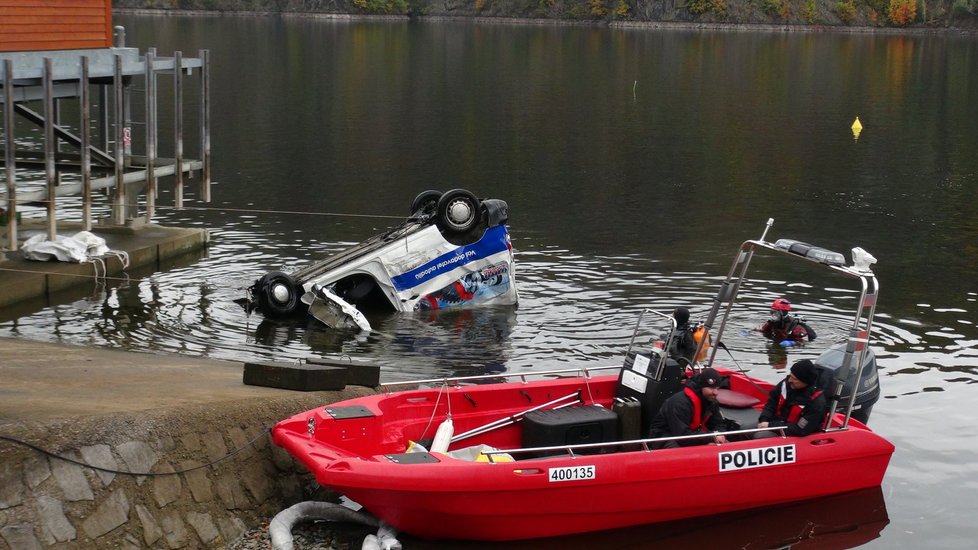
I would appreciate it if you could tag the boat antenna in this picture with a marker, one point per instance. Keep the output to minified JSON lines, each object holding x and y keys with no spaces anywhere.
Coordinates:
{"x":720,"y":344}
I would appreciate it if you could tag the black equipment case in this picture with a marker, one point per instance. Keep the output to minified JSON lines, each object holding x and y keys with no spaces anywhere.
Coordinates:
{"x":570,"y":426}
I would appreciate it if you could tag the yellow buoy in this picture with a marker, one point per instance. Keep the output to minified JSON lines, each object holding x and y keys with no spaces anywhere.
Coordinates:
{"x":857,"y":128}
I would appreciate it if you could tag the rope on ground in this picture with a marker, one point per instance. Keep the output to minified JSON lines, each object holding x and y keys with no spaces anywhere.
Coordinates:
{"x":33,"y":447}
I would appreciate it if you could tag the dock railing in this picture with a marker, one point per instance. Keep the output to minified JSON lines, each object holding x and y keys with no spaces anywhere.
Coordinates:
{"x":98,"y":150}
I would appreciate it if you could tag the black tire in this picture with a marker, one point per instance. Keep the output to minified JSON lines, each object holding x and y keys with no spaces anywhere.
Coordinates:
{"x":425,"y":203}
{"x":277,"y":294}
{"x":459,"y":211}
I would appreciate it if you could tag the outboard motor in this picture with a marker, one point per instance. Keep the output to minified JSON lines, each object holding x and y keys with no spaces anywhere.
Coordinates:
{"x":868,"y":390}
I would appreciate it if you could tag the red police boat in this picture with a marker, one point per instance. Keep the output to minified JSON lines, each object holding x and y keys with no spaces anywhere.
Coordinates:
{"x":561,"y":452}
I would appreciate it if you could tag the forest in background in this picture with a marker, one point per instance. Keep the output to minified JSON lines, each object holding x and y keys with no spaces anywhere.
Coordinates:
{"x":814,"y":14}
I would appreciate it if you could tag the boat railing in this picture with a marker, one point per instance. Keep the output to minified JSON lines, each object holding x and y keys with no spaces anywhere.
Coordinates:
{"x":648,"y":444}
{"x":523,"y":377}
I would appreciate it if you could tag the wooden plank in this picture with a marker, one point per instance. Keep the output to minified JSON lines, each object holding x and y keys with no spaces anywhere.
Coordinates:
{"x":58,"y":29}
{"x":13,"y":15}
{"x":32,"y":4}
{"x":44,"y":45}
{"x":50,"y":37}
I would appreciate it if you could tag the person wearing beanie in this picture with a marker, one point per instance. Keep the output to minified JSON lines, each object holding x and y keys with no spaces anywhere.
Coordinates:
{"x":796,"y":403}
{"x":691,"y":411}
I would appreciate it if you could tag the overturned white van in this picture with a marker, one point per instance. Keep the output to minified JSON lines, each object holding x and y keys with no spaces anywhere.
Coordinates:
{"x":453,"y":251}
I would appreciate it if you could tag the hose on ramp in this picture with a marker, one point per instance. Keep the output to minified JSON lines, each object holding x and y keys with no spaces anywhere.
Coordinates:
{"x":280,"y":528}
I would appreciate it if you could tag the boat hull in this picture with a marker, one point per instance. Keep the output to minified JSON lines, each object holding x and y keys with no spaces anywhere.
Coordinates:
{"x":448,"y":498}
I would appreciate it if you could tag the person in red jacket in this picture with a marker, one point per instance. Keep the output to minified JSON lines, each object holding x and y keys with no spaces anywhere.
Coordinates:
{"x":795,"y":403}
{"x":785,"y":328}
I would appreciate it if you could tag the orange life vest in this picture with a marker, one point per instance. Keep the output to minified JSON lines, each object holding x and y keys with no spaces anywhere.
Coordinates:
{"x":696,"y":423}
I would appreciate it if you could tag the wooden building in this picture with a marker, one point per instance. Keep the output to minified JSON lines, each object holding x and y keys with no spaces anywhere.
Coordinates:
{"x":36,"y":25}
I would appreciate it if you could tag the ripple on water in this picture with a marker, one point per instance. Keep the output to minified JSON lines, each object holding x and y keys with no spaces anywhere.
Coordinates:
{"x":574,"y":310}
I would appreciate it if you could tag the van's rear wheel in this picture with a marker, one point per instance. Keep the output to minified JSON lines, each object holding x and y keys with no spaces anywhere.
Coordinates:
{"x":458,"y":211}
{"x":277,"y":294}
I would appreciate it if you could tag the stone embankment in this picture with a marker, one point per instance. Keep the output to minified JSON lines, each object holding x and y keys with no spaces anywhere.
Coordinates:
{"x":213,"y":473}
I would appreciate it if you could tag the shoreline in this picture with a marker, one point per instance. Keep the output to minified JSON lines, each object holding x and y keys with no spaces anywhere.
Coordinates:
{"x":181,"y":445}
{"x":644,"y":25}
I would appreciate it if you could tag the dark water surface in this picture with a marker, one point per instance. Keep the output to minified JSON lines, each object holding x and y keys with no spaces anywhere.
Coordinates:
{"x":634,"y":162}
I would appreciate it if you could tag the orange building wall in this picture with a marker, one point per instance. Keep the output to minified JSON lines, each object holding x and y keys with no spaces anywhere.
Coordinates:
{"x":31,"y":25}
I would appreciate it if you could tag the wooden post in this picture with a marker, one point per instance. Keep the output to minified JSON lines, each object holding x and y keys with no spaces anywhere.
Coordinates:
{"x":86,"y":144}
{"x":150,"y":135}
{"x":49,"y":149}
{"x":205,"y":125}
{"x":119,"y":200}
{"x":178,"y":127}
{"x":9,"y":152}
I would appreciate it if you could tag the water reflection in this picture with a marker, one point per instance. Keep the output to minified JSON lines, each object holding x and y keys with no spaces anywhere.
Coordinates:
{"x":842,"y":521}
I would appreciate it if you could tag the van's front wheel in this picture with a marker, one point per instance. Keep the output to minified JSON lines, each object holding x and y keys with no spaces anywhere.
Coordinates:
{"x":425,"y":203}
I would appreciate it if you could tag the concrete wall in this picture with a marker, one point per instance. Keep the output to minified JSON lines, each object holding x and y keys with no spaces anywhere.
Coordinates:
{"x":49,"y":503}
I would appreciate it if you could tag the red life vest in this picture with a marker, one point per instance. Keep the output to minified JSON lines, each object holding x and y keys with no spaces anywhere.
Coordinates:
{"x":696,"y":423}
{"x":796,"y":410}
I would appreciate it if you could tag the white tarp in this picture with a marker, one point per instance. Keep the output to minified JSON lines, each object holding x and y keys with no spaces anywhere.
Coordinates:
{"x":80,"y":247}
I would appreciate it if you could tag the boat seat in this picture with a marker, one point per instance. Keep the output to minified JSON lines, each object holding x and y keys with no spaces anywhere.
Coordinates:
{"x":735,"y":399}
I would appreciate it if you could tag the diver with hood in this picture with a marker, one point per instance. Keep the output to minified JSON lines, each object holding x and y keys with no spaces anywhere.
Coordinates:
{"x":682,"y":345}
{"x":785,"y":328}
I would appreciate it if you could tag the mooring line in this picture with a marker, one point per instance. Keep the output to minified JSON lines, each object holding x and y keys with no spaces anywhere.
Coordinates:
{"x":81,"y":275}
{"x":120,"y":472}
{"x":257,"y":211}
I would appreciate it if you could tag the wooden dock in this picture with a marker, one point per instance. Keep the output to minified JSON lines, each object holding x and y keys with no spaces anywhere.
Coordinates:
{"x":72,"y":105}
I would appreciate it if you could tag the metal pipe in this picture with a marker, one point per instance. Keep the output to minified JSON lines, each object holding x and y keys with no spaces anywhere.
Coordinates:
{"x":728,"y":292}
{"x":178,"y":127}
{"x":49,"y":149}
{"x":205,"y":124}
{"x":86,"y":153}
{"x":632,"y":442}
{"x":103,"y":117}
{"x":150,"y":135}
{"x":119,"y":199}
{"x":119,"y":36}
{"x":513,"y":418}
{"x":581,"y":371}
{"x":9,"y":152}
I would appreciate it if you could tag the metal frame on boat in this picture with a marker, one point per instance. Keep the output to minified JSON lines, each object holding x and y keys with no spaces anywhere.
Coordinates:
{"x":560,"y":452}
